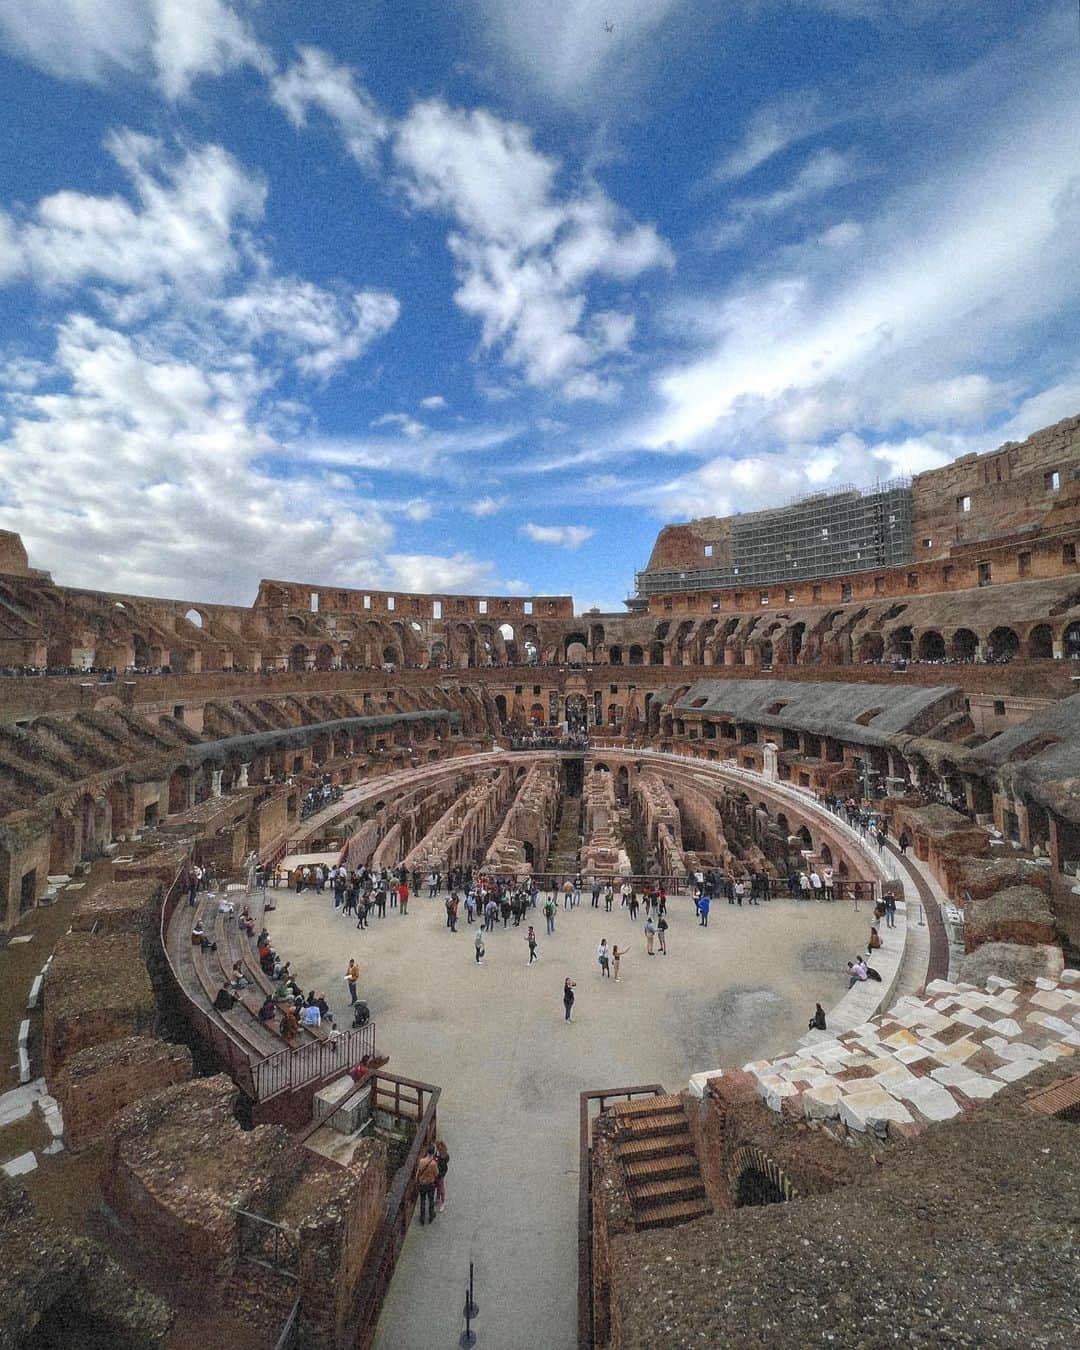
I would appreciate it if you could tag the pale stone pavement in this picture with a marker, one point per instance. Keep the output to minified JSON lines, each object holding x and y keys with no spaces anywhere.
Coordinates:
{"x":494,"y":1039}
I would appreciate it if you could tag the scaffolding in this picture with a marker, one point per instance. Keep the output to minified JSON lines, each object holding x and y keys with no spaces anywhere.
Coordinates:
{"x":825,"y":535}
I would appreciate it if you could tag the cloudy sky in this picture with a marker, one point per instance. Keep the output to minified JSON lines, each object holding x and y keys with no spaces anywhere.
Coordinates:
{"x":475,"y":295}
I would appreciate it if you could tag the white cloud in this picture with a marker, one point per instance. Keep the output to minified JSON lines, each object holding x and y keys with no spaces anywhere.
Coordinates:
{"x":460,"y":572}
{"x":565,"y":47}
{"x":183,"y":230}
{"x":486,"y":506}
{"x":322,"y":330}
{"x":945,"y":278}
{"x":418,"y":510}
{"x":821,"y":172}
{"x":409,"y":425}
{"x":772,"y":128}
{"x":315,"y":80}
{"x":171,"y":41}
{"x":434,"y":402}
{"x":563,"y":536}
{"x":525,"y":254}
{"x":433,"y":454}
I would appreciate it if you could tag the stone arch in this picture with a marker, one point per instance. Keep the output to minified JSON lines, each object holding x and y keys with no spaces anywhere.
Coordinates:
{"x":500,"y":704}
{"x":1040,"y":641}
{"x":537,"y":716}
{"x":615,"y":655}
{"x":807,"y":840}
{"x":195,"y":617}
{"x":793,"y":641}
{"x":964,"y":645}
{"x":1070,"y":641}
{"x":656,"y":653}
{"x":324,"y":656}
{"x":298,"y":657}
{"x":899,"y":642}
{"x":1002,"y":644}
{"x":596,"y":636}
{"x":871,"y":647}
{"x":575,"y":648}
{"x":636,"y":655}
{"x":931,"y":646}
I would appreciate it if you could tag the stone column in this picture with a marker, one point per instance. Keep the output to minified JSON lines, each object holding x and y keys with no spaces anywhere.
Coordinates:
{"x":770,"y":766}
{"x":215,"y":782}
{"x":242,"y":777}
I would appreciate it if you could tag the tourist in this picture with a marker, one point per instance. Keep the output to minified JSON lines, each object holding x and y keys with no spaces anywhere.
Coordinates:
{"x":827,"y":883}
{"x":890,"y":910}
{"x":616,"y":957}
{"x":268,"y":1011}
{"x":632,"y":905}
{"x":427,"y":1176}
{"x":352,"y":974}
{"x":625,"y":892}
{"x":661,"y":932}
{"x":568,"y":998}
{"x":650,"y":936}
{"x":904,"y":842}
{"x":442,"y":1155}
{"x":403,"y":898}
{"x":311,"y":1016}
{"x":875,"y":939}
{"x":816,"y":885}
{"x":238,"y":980}
{"x":596,"y":892}
{"x":530,"y":938}
{"x":478,"y":943}
{"x":856,"y":972}
{"x":224,"y":1000}
{"x":199,"y":937}
{"x":609,"y":897}
{"x":703,"y":911}
{"x":549,"y":914}
{"x":740,"y":891}
{"x":568,"y":894}
{"x":289,"y":1025}
{"x":817,"y":1022}
{"x":602,"y":956}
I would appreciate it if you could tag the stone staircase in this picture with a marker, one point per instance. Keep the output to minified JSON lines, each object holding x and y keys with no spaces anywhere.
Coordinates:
{"x":563,"y":856}
{"x":656,"y":1150}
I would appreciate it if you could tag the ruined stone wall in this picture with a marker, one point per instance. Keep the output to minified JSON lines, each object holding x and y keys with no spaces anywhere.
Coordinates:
{"x":529,"y":821}
{"x":96,"y":1083}
{"x":97,"y":989}
{"x":603,"y":853}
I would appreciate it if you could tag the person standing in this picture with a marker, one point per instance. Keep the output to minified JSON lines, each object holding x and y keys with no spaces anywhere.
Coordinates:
{"x":530,"y":938}
{"x":890,"y":911}
{"x":568,"y":998}
{"x":632,"y":903}
{"x":403,"y":898}
{"x":442,"y":1157}
{"x":596,"y":889}
{"x":568,"y":894}
{"x":352,"y":974}
{"x":661,"y":933}
{"x":650,"y":935}
{"x":602,"y":957}
{"x":478,"y":943}
{"x":616,"y":957}
{"x":549,"y":914}
{"x":609,"y":896}
{"x":427,"y":1176}
{"x":703,"y":911}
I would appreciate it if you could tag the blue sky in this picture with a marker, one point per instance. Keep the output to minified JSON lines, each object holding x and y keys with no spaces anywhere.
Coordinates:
{"x":475,"y":295}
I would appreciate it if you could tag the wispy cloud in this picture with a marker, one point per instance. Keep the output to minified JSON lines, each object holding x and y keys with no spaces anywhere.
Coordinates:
{"x":562,"y":536}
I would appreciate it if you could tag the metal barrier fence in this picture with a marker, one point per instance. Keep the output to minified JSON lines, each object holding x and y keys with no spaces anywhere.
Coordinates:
{"x":291,"y":1069}
{"x":268,"y":1244}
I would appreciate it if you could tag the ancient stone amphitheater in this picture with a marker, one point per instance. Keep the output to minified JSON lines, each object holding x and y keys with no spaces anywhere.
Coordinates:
{"x":862,"y":697}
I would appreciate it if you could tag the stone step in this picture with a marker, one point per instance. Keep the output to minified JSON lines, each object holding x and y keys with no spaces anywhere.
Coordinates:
{"x":669,"y":1165}
{"x":648,"y":1106}
{"x":655,"y":1146}
{"x":668,"y":1213}
{"x":666,"y":1188}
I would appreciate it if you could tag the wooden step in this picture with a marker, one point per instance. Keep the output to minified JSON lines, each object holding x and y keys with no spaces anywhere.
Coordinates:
{"x":648,"y":1106}
{"x":640,"y":1170}
{"x":655,"y":1192}
{"x":669,"y":1213}
{"x":653,"y":1146}
{"x":639,"y":1127}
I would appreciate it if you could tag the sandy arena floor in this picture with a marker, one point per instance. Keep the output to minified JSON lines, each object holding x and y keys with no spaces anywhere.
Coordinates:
{"x":493,"y":1037}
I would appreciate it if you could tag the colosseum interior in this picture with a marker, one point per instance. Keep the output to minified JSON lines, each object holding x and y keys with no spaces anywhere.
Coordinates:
{"x":860,"y":709}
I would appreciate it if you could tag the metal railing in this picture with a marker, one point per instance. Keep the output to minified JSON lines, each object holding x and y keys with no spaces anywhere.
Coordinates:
{"x":416,"y":1104}
{"x":269,"y":1244}
{"x":601,"y":1097}
{"x":291,"y":1069}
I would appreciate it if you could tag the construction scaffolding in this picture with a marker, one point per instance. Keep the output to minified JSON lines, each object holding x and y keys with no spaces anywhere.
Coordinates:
{"x":826,"y":535}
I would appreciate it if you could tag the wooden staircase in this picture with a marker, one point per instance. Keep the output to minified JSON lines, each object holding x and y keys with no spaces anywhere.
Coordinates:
{"x":660,"y":1163}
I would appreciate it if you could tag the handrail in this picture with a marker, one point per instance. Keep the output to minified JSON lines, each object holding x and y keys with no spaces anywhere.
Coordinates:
{"x":603,"y":1096}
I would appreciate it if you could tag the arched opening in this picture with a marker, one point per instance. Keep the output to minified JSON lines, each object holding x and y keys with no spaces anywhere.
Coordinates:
{"x":576,"y":655}
{"x":1002,"y":644}
{"x":390,"y":656}
{"x":637,"y":655}
{"x":871,"y":647}
{"x":795,"y":641}
{"x":536,"y":715}
{"x":899,"y":643}
{"x":140,"y":650}
{"x":1070,"y":641}
{"x":530,"y":853}
{"x":656,"y":654}
{"x":931,"y":646}
{"x":1041,"y":641}
{"x":753,"y":1186}
{"x":615,"y":655}
{"x":577,"y":714}
{"x":807,"y":842}
{"x":826,"y":855}
{"x":766,"y":650}
{"x":622,"y":785}
{"x":964,"y":645}
{"x":298,"y":657}
{"x":194,"y":618}
{"x":782,"y":825}
{"x":324,"y":657}
{"x":500,"y":705}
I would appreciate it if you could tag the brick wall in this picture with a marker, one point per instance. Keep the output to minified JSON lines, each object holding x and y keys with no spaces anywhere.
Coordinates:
{"x":95,"y":1083}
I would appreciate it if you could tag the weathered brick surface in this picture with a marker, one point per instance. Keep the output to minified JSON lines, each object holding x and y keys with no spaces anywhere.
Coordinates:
{"x":97,"y":989}
{"x":96,"y":1083}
